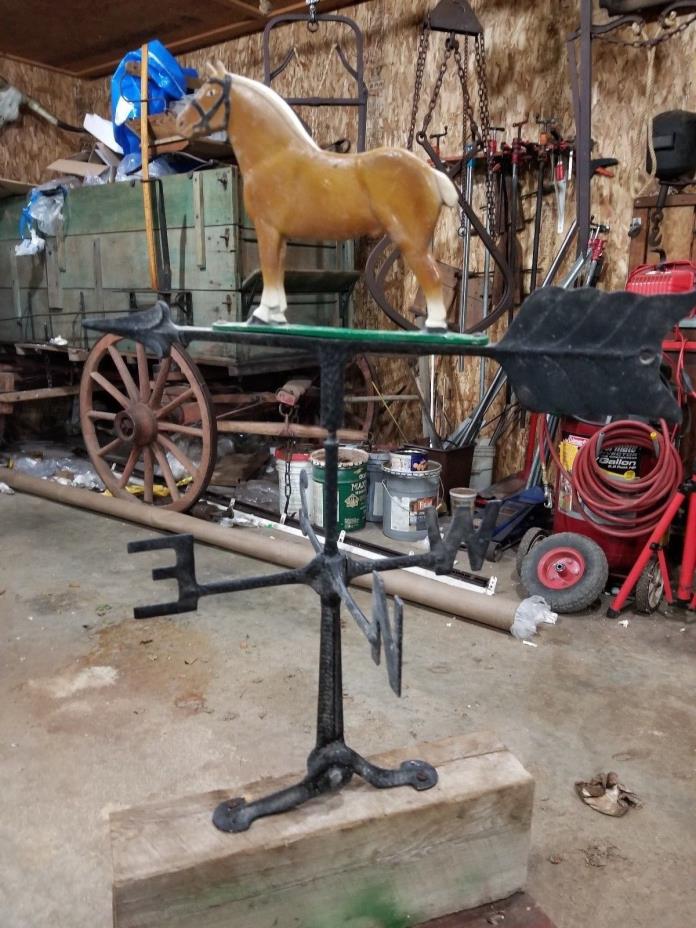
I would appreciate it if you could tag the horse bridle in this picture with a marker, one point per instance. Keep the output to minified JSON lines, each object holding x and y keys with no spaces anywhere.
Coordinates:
{"x":223,"y":100}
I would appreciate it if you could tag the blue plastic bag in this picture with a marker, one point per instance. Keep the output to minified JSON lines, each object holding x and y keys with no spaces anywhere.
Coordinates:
{"x":166,"y":81}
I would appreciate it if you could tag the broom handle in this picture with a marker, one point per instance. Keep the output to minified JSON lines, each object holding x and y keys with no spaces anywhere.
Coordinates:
{"x":145,"y":170}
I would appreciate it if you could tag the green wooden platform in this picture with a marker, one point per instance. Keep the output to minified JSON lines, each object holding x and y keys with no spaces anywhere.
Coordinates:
{"x":377,"y":337}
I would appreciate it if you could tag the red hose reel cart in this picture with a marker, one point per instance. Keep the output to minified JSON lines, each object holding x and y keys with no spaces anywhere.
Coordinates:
{"x":614,"y":483}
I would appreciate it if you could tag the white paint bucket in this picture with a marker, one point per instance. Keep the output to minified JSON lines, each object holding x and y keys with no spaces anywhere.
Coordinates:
{"x":299,"y":461}
{"x":406,"y":497}
{"x":482,"y":467}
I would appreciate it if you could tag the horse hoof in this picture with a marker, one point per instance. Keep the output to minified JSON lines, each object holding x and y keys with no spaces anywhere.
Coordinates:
{"x":262,"y":315}
{"x":436,"y":329}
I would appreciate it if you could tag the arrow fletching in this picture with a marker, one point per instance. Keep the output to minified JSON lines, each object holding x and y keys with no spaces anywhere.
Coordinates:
{"x":592,"y":354}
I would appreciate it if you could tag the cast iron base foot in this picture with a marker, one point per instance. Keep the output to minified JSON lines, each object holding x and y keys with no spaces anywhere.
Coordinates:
{"x":328,"y":770}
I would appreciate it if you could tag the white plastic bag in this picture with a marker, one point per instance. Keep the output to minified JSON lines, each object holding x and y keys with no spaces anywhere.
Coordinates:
{"x":531,"y":612}
{"x":30,"y":246}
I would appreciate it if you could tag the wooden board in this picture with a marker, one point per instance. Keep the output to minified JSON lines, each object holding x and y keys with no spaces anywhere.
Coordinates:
{"x":12,"y":188}
{"x":415,"y":855}
{"x":519,"y":911}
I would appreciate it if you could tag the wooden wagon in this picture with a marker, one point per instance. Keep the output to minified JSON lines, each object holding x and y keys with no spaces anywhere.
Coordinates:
{"x":158,"y":420}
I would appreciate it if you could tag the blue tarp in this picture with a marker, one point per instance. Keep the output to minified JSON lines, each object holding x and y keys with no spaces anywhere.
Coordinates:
{"x":166,"y":82}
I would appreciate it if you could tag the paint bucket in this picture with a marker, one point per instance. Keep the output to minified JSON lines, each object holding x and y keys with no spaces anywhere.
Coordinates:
{"x":299,"y":461}
{"x":406,"y":497}
{"x":463,"y":496}
{"x":352,"y":488}
{"x":408,"y":460}
{"x":375,"y":485}
{"x":482,"y":467}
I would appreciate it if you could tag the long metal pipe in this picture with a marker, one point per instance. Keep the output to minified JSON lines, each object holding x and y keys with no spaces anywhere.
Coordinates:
{"x":493,"y":611}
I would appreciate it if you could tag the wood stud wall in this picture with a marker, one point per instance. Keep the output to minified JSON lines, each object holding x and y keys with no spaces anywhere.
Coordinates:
{"x":527,"y":74}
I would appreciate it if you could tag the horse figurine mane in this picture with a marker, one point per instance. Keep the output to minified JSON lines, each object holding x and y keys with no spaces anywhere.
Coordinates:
{"x":294,"y":189}
{"x":269,"y":96}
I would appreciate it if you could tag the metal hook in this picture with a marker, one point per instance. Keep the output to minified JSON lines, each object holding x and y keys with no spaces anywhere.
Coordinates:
{"x":312,"y":25}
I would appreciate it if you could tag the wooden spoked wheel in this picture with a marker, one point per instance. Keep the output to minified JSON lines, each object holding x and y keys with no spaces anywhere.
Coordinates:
{"x":360,"y":395}
{"x":155,"y":418}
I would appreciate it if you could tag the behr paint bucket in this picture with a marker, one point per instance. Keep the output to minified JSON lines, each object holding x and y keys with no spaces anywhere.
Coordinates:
{"x":298,"y":461}
{"x":406,"y":460}
{"x":406,"y":497}
{"x":352,"y":488}
{"x":375,"y":485}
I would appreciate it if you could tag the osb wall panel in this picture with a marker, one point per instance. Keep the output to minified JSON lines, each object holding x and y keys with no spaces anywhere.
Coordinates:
{"x":28,"y":145}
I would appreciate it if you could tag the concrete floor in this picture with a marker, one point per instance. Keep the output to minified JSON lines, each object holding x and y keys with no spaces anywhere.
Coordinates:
{"x":100,"y":712}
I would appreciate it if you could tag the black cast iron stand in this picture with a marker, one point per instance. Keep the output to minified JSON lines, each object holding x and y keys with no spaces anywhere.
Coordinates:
{"x":331,"y":763}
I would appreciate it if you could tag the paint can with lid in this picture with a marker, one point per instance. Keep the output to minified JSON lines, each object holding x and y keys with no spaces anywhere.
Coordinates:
{"x":407,"y":495}
{"x":351,"y":490}
{"x":408,"y":460}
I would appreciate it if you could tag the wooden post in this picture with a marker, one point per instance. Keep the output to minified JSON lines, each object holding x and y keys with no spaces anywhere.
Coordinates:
{"x":414,"y":855}
{"x":145,"y":170}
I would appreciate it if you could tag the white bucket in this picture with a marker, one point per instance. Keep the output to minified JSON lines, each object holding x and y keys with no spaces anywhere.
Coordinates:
{"x":299,"y":461}
{"x":463,"y":496}
{"x":482,"y":467}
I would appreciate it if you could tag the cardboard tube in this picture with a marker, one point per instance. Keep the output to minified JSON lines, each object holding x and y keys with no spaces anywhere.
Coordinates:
{"x":283,"y":430}
{"x":493,"y":611}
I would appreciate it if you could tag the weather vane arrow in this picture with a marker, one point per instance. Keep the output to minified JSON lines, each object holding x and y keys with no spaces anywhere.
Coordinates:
{"x":581,"y":352}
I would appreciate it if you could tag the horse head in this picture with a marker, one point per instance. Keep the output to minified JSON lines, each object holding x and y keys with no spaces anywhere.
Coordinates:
{"x":209,"y":109}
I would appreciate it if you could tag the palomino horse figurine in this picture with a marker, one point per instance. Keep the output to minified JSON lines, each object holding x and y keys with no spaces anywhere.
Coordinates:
{"x":294,"y":189}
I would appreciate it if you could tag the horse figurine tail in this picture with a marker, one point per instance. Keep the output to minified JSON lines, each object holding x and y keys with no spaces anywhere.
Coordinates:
{"x":448,"y":192}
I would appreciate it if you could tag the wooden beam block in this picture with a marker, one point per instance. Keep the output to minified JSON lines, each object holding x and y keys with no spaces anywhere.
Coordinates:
{"x":419,"y":856}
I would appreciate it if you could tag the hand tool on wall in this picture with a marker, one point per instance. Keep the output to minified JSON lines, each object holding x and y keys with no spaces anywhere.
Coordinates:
{"x":517,"y":155}
{"x":545,"y":139}
{"x":11,"y":101}
{"x":560,"y":183}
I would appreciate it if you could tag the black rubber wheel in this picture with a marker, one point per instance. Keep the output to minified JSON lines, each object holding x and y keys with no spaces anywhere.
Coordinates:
{"x":568,"y":570}
{"x":494,"y":552}
{"x":530,"y":538}
{"x":649,"y":589}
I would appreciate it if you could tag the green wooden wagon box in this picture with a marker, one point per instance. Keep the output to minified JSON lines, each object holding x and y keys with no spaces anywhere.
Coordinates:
{"x":98,"y":264}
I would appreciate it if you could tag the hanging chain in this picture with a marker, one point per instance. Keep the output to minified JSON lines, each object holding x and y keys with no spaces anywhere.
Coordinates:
{"x":485,"y":117}
{"x":461,"y":71}
{"x":466,"y":103}
{"x":423,"y":42}
{"x":449,"y":49}
{"x":649,"y":42}
{"x":479,"y":134}
{"x":287,"y":487}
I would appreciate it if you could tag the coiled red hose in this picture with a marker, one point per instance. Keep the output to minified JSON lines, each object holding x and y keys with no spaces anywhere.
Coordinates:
{"x":623,"y":508}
